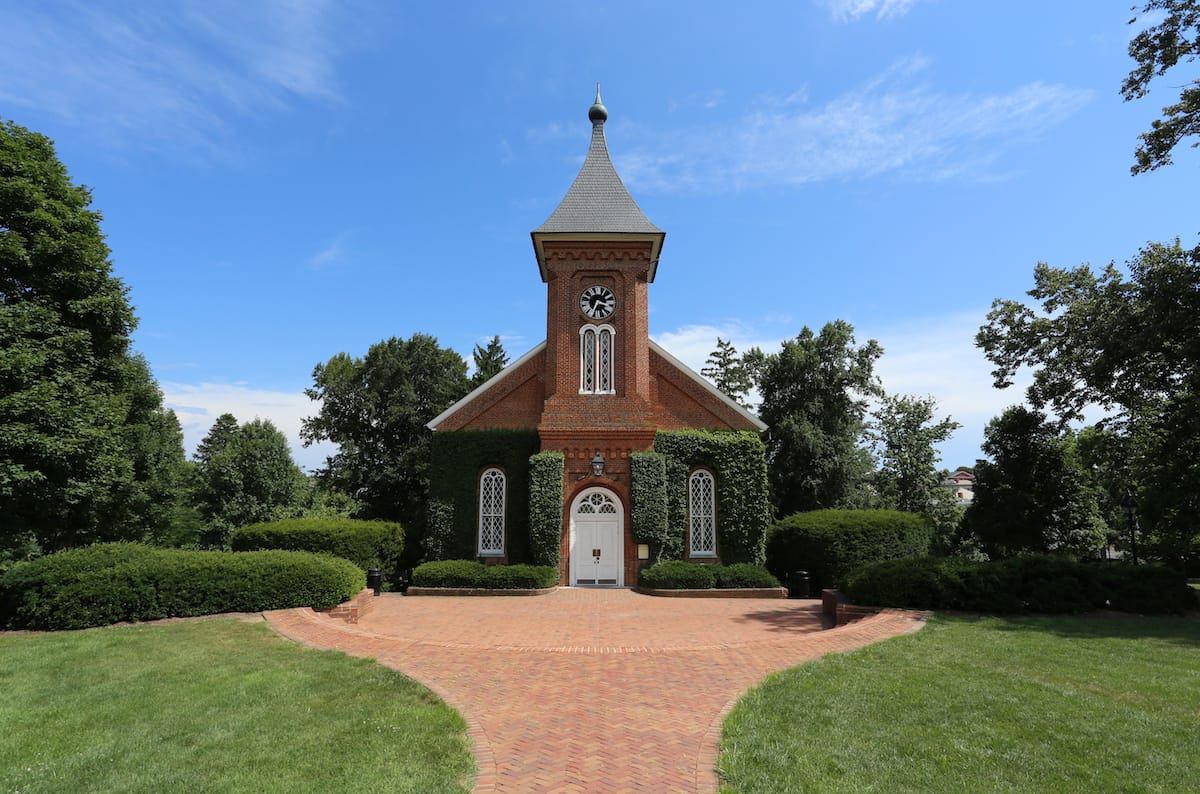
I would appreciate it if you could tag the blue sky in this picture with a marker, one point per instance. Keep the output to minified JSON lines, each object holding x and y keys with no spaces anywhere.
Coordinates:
{"x":284,"y":181}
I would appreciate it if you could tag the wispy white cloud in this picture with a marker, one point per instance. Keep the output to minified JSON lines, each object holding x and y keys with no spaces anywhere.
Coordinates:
{"x":851,"y":10}
{"x":332,"y":254}
{"x":199,"y":404}
{"x":167,"y":75}
{"x":893,"y":124}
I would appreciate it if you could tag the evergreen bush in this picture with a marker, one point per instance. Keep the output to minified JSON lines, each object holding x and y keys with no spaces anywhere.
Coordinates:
{"x":1036,"y":583}
{"x":743,"y":574}
{"x":678,"y":575}
{"x":476,"y":575}
{"x":830,"y":543}
{"x":367,"y":544}
{"x":112,"y":582}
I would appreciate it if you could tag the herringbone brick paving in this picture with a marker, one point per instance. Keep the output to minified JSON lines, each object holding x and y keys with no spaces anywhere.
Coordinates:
{"x":591,"y":690}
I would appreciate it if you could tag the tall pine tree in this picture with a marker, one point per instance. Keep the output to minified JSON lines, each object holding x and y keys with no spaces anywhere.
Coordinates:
{"x":489,"y":361}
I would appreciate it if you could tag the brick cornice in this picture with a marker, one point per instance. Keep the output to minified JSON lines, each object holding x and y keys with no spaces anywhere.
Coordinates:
{"x":607,"y":253}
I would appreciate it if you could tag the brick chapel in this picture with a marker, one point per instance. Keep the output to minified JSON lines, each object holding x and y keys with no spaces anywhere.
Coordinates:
{"x":597,"y":390}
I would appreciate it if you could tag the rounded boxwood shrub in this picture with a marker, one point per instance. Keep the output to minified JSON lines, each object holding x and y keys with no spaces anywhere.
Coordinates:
{"x":743,"y":574}
{"x":831,"y":543}
{"x":1036,"y":583}
{"x":367,"y":544}
{"x":475,"y":575}
{"x":678,"y":575}
{"x":111,"y":582}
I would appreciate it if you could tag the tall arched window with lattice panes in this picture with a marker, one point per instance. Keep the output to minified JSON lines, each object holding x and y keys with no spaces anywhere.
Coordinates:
{"x":492,"y":495}
{"x":597,"y":350}
{"x":702,"y":514}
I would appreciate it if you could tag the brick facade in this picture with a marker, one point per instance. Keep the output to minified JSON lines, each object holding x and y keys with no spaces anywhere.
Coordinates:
{"x":651,"y":391}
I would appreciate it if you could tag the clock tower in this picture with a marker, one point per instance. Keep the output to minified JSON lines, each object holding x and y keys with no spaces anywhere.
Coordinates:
{"x":596,"y":391}
{"x":597,"y":254}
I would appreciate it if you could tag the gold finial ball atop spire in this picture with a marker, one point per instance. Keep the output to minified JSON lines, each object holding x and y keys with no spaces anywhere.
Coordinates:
{"x":597,"y":113}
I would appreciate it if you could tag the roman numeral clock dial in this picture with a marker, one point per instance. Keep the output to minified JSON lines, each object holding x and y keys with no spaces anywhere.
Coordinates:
{"x":598,"y":302}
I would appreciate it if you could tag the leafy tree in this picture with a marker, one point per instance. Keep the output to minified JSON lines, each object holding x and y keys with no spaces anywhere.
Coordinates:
{"x":814,"y":398}
{"x":248,"y":476}
{"x":1121,"y":344}
{"x":1157,"y":49}
{"x":728,"y":372}
{"x":87,"y":452}
{"x":376,"y":408}
{"x":1130,"y":345}
{"x":488,"y":362}
{"x":1105,"y":457}
{"x":904,"y":437}
{"x":1032,"y":495}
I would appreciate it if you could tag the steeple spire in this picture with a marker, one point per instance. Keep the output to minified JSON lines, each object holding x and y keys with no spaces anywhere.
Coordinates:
{"x":597,"y":113}
{"x":598,"y":202}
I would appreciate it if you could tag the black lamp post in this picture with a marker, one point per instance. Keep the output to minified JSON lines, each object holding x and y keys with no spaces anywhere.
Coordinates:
{"x":598,"y":465}
{"x":1130,"y":506}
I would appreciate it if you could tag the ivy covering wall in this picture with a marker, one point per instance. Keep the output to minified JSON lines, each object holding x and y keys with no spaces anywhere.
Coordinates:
{"x":546,"y":473}
{"x":649,"y":506}
{"x":737,"y":460}
{"x":457,"y":460}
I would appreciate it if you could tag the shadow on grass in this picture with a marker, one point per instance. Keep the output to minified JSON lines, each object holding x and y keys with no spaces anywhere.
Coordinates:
{"x":1175,"y":629}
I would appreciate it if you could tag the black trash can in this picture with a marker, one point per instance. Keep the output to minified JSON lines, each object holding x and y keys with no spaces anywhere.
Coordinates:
{"x":799,"y":585}
{"x":405,"y":580}
{"x":374,"y":579}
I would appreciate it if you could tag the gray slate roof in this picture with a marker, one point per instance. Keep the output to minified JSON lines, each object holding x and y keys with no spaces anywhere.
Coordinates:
{"x":598,"y":201}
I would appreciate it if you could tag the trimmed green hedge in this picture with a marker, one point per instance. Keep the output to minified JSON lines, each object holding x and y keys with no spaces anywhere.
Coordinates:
{"x":546,"y":473}
{"x":1020,"y":584}
{"x":829,"y":544}
{"x":679,"y":575}
{"x":471,"y":574}
{"x":367,"y":544}
{"x":743,"y":574}
{"x":112,"y":582}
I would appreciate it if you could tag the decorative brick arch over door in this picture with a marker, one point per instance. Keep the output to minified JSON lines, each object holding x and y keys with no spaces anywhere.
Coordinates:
{"x":597,"y":539}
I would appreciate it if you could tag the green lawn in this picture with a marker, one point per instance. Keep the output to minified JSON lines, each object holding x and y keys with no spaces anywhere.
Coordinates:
{"x":1071,"y":704}
{"x":216,"y":705}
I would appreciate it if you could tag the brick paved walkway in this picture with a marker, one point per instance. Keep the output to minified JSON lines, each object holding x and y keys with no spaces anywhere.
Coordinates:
{"x":591,"y":690}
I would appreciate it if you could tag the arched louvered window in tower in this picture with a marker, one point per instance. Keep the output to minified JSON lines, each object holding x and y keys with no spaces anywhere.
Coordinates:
{"x":702,"y":514}
{"x":597,"y":354}
{"x":492,"y":495}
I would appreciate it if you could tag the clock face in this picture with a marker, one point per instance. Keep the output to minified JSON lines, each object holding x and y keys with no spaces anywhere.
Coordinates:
{"x":597,"y":302}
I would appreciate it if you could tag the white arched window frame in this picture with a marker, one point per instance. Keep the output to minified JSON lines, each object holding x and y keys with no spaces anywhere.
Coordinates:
{"x":597,"y":351}
{"x":702,"y":514}
{"x":493,"y":492}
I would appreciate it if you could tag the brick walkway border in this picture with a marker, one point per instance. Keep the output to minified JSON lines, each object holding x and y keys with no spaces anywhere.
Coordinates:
{"x":591,"y":690}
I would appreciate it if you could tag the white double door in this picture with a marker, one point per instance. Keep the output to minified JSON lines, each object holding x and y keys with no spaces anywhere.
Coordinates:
{"x":597,"y":553}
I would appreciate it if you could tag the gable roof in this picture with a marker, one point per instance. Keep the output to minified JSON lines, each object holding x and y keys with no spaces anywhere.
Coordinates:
{"x":729,"y":402}
{"x":598,"y":205}
{"x":433,"y":423}
{"x":675,"y":363}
